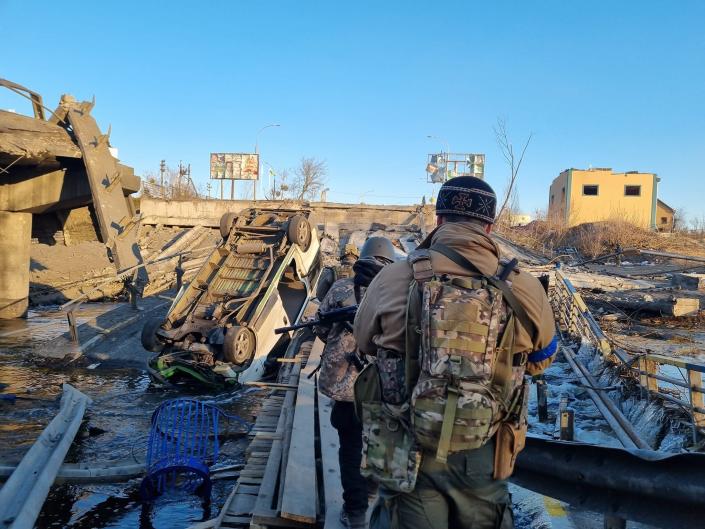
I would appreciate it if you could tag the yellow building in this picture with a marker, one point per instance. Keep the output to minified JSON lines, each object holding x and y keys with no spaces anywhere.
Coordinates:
{"x":577,"y":196}
{"x":664,"y":217}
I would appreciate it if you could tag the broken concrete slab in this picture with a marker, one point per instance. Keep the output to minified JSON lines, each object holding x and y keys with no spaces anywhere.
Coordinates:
{"x":689,"y":281}
{"x":588,"y":280}
{"x":658,"y":302}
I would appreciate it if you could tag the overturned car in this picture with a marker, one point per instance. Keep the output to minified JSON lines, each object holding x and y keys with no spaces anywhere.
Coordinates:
{"x":220,"y":328}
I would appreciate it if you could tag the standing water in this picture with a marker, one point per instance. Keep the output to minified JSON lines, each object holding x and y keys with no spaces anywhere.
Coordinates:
{"x":117,"y":429}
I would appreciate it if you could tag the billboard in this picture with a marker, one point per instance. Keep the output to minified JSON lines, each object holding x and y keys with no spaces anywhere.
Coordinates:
{"x":234,"y":166}
{"x":440,"y":167}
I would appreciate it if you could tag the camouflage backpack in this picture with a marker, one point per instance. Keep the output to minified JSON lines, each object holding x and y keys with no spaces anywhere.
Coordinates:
{"x":465,"y":380}
{"x":338,"y":371}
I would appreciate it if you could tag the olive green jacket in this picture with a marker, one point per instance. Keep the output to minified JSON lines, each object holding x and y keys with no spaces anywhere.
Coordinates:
{"x":380,"y":320}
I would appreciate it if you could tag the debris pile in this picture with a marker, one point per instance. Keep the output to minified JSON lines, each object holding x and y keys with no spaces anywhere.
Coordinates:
{"x":60,"y":272}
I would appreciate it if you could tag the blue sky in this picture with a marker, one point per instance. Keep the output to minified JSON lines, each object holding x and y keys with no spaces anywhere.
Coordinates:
{"x":361,"y":84}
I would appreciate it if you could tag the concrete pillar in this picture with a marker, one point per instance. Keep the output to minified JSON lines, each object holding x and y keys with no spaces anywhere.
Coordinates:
{"x":15,"y":240}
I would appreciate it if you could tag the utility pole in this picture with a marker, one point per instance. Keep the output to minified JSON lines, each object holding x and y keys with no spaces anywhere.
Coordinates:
{"x":162,"y":170}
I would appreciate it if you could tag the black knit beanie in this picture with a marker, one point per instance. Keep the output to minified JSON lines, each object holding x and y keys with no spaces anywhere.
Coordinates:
{"x":467,"y":196}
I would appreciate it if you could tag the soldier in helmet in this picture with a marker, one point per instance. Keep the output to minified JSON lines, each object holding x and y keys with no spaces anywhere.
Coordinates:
{"x":340,"y":365}
{"x":348,"y":256}
{"x":454,"y":330}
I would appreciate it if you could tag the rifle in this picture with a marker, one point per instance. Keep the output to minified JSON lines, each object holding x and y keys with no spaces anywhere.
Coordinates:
{"x":324,"y":318}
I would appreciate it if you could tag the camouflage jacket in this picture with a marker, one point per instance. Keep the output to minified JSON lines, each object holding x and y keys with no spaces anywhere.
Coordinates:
{"x":338,"y":374}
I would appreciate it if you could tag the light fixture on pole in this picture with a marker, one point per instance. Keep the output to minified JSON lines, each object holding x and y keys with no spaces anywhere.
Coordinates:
{"x":435,"y":161}
{"x":258,"y":133}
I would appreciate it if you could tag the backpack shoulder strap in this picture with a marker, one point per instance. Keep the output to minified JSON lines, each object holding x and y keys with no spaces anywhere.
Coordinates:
{"x":420,"y":261}
{"x":509,"y":296}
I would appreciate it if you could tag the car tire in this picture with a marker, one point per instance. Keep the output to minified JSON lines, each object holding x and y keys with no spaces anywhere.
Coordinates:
{"x":150,"y":340}
{"x":299,"y":231}
{"x":239,"y":347}
{"x":226,"y":222}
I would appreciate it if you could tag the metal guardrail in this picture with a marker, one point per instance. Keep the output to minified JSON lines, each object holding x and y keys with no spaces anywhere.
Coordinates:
{"x":659,"y":489}
{"x":575,"y":317}
{"x":22,"y":496}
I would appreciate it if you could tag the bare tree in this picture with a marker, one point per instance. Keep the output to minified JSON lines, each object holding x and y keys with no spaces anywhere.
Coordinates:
{"x":514,"y":160}
{"x":679,"y":220}
{"x":310,"y":179}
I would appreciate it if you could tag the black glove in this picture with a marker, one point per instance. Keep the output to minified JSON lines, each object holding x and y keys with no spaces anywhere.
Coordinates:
{"x":366,"y":269}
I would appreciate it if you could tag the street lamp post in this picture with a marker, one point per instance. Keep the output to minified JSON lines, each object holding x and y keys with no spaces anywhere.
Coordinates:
{"x":257,"y":152}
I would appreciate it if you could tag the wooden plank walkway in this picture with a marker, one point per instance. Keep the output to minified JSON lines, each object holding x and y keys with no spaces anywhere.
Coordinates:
{"x":291,"y":477}
{"x":298,"y":502}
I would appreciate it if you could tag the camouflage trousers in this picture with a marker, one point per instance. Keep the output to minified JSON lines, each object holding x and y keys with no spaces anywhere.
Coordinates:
{"x":459,"y":494}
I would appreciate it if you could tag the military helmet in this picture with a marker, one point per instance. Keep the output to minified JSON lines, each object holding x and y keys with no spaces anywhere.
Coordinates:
{"x":377,"y":247}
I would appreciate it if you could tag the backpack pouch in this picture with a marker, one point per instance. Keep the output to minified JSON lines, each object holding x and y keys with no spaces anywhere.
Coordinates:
{"x":389,"y":452}
{"x":447,"y":419}
{"x":457,"y":325}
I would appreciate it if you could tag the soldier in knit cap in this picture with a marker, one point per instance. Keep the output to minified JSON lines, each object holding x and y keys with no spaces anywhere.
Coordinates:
{"x":454,"y":328}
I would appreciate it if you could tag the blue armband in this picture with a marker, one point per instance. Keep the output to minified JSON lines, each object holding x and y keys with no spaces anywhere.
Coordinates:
{"x":546,"y":352}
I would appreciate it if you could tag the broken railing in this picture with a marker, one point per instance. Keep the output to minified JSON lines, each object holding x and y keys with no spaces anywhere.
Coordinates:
{"x":658,"y":375}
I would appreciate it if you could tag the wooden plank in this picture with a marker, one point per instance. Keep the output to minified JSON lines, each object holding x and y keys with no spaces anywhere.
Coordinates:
{"x":274,"y":436}
{"x":252,"y":473}
{"x":263,"y":444}
{"x":332,"y":487}
{"x":236,"y":520}
{"x":695,"y":380}
{"x":259,"y":454}
{"x":264,"y":510}
{"x":250,"y":480}
{"x":242,"y":504}
{"x":248,"y":489}
{"x":300,"y":499}
{"x":286,"y":444}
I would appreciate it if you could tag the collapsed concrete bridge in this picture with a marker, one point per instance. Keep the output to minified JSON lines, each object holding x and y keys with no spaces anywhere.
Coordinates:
{"x":57,"y":164}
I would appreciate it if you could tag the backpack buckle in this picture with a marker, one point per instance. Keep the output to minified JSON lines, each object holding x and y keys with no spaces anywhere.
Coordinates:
{"x":420,"y":261}
{"x":455,"y":363}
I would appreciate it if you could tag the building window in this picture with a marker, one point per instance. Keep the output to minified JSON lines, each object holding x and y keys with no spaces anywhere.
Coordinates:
{"x":632,"y":191}
{"x":552,"y":197}
{"x":591,"y":190}
{"x":664,"y":220}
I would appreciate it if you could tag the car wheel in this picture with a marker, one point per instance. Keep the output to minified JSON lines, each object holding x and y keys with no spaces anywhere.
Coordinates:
{"x":226,"y":222}
{"x":150,"y":340}
{"x":239,"y":346}
{"x":299,"y":231}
